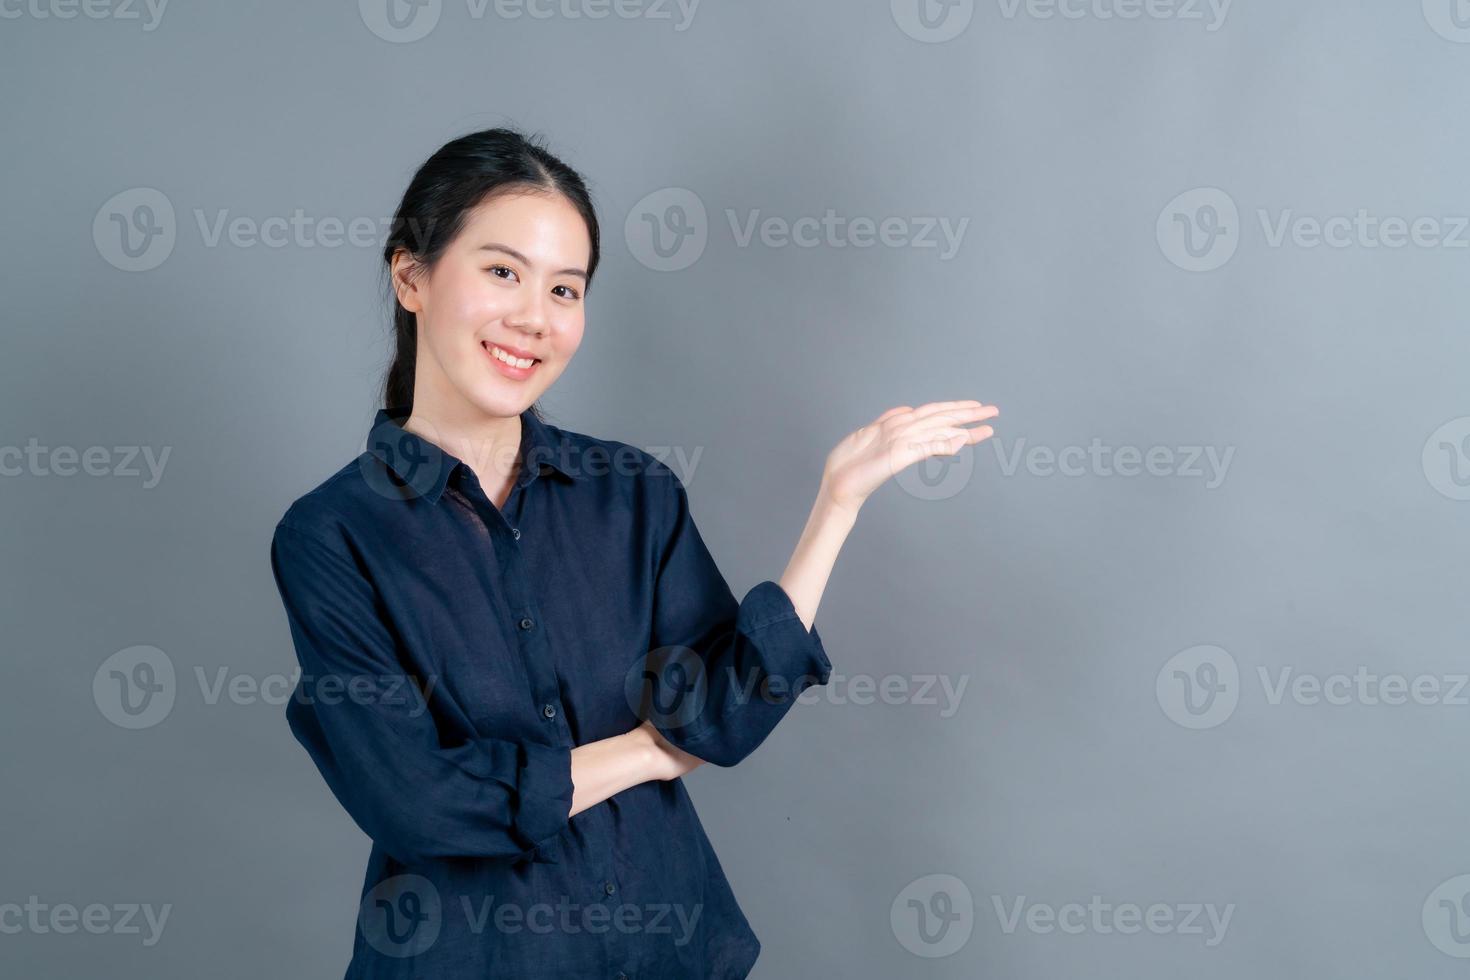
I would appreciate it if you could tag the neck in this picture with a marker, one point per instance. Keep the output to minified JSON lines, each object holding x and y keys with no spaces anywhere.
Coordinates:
{"x":488,"y":444}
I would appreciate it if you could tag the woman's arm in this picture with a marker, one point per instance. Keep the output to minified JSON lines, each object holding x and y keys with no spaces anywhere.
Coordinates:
{"x":607,"y":767}
{"x":816,"y":551}
{"x":858,"y":465}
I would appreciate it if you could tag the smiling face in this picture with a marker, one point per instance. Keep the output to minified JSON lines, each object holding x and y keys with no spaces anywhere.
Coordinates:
{"x":510,"y":285}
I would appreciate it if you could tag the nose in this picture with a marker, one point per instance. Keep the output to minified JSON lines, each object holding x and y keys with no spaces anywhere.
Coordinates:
{"x":530,"y":316}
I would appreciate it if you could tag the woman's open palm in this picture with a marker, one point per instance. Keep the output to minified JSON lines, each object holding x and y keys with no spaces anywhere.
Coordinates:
{"x":898,"y":438}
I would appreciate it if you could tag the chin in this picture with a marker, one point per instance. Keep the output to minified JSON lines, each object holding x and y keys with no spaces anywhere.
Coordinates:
{"x":501,"y":403}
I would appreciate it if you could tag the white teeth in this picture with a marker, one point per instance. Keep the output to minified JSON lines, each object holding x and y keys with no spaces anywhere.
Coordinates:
{"x":520,"y":362}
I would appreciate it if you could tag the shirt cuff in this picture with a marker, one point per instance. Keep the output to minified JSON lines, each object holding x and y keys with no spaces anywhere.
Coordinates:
{"x":544,"y":796}
{"x":768,"y":608}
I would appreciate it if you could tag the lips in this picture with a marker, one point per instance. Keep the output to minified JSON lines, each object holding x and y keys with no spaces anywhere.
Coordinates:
{"x":512,"y":351}
{"x":506,"y":370}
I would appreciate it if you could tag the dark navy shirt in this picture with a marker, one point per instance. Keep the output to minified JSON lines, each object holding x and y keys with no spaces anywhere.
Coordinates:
{"x":452,"y":654}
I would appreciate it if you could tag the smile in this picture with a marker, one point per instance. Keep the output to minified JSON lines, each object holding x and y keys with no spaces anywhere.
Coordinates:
{"x":509,"y":364}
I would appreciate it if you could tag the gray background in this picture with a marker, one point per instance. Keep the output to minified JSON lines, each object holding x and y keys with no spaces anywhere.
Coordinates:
{"x":1335,"y":542}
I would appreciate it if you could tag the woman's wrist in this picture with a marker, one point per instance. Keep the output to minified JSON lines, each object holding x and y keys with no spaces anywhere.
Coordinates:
{"x":645,"y":745}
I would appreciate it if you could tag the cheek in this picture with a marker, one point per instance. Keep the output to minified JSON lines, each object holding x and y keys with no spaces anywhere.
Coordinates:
{"x":469,"y":299}
{"x":568,"y":335}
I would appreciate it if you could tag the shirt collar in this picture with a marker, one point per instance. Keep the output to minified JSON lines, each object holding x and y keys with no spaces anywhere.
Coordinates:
{"x":425,"y":468}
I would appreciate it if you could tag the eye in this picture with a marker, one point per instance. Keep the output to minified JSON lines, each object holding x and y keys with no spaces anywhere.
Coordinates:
{"x":495,"y":270}
{"x":571,"y":293}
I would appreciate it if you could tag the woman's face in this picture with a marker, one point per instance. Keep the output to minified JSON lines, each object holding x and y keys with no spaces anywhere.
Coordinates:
{"x":512,"y":280}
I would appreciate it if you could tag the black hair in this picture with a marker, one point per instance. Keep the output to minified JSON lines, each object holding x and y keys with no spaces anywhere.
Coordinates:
{"x":461,"y":175}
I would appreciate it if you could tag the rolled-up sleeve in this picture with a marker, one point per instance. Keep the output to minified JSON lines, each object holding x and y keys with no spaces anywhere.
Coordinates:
{"x":378,"y":747}
{"x":741,"y":664}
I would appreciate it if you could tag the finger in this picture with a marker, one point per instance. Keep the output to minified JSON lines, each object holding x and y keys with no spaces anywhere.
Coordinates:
{"x":945,"y":442}
{"x":964,"y":436}
{"x":912,"y":447}
{"x":896,"y":410}
{"x":979,"y":435}
{"x":973,"y":414}
{"x":924,"y":411}
{"x":954,"y":418}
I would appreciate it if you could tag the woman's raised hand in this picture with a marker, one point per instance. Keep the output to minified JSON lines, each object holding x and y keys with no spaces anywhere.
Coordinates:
{"x":897,"y":439}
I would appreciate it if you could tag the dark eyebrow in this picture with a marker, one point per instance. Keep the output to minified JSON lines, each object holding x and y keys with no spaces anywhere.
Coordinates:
{"x":496,"y":247}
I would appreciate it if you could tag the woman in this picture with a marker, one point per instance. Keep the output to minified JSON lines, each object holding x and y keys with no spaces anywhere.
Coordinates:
{"x":512,"y":638}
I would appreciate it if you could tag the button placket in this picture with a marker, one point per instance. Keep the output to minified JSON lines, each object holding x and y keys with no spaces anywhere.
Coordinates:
{"x":538,"y":667}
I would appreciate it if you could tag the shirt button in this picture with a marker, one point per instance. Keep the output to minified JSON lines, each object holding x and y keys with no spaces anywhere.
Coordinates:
{"x":515,"y":532}
{"x":609,"y":887}
{"x":549,"y":710}
{"x":527,"y":623}
{"x":621,"y":976}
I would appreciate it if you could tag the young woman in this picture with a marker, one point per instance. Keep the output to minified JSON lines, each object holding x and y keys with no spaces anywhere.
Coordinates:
{"x":513,"y":641}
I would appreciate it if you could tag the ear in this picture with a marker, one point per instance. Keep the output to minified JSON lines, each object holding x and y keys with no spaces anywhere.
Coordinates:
{"x":403,"y":274}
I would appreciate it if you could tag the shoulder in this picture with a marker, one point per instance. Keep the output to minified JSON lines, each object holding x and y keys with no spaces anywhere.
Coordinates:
{"x":611,"y":460}
{"x":324,"y":512}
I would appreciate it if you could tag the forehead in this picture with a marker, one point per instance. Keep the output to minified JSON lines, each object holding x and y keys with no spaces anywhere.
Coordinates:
{"x":545,"y":223}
